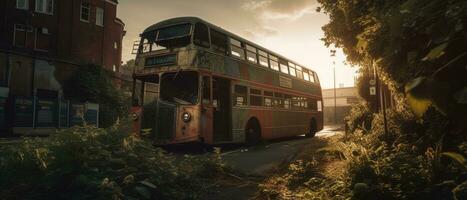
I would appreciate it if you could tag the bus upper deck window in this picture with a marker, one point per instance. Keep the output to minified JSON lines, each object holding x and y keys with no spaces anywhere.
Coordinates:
{"x":174,"y":36}
{"x":284,"y":68}
{"x":306,"y":76}
{"x":298,"y":69}
{"x":218,"y":41}
{"x":201,"y":36}
{"x":236,"y":48}
{"x":316,"y":78}
{"x":292,"y":69}
{"x":312,"y":77}
{"x":251,"y":53}
{"x":263,"y":58}
{"x":274,"y":62}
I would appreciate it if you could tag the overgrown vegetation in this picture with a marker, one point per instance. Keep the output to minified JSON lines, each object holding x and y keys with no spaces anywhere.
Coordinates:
{"x":91,"y":83}
{"x":91,"y":163}
{"x":419,"y":48}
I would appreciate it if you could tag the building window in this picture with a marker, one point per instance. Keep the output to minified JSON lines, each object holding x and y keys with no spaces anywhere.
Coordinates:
{"x":42,"y":41}
{"x":45,"y":6}
{"x":114,"y":68}
{"x":22,"y":4}
{"x":115,"y":45}
{"x":99,"y":16}
{"x":85,"y":11}
{"x":21,"y":35}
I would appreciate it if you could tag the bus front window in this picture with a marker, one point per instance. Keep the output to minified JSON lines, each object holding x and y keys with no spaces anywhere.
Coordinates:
{"x":166,"y":38}
{"x":174,"y":36}
{"x":180,"y":87}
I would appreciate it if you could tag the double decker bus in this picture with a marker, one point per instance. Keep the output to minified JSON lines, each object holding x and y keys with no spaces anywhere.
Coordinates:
{"x":197,"y":82}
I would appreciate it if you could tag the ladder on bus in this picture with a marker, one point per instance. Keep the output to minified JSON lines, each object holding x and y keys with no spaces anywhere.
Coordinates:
{"x":136,"y":47}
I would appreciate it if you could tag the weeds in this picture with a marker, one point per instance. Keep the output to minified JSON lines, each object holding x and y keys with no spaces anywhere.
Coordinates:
{"x":91,"y":163}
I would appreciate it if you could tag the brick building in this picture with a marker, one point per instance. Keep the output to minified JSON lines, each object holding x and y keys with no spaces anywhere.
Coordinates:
{"x":43,"y":41}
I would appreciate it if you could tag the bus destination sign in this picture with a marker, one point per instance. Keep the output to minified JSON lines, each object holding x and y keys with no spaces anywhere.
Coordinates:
{"x":161,"y":60}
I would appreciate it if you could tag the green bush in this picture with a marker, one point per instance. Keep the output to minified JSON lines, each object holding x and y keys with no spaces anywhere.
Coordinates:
{"x":360,"y":117}
{"x":91,"y":83}
{"x":406,"y":162}
{"x":91,"y":163}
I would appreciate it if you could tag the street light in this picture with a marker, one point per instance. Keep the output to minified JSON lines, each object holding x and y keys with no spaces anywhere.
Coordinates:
{"x":333,"y":55}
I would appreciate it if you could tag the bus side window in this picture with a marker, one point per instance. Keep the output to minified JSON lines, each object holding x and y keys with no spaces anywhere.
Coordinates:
{"x":268,"y":98}
{"x":201,"y":36}
{"x":240,"y":96}
{"x":287,"y":99}
{"x":255,"y":97}
{"x":316,"y":78}
{"x":251,"y":54}
{"x":206,"y":90}
{"x":312,"y":104}
{"x":236,"y":49}
{"x":218,"y":41}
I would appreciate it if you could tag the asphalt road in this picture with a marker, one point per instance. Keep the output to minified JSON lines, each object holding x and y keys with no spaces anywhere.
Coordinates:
{"x":260,"y":159}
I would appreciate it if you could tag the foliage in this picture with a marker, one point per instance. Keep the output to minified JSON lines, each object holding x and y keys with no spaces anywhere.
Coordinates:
{"x":408,"y":162}
{"x":93,"y":84}
{"x":91,"y":163}
{"x":360,"y":117}
{"x":307,"y":177}
{"x":417,"y":43}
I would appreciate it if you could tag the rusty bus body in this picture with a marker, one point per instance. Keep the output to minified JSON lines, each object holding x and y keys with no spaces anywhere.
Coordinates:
{"x":196,"y":86}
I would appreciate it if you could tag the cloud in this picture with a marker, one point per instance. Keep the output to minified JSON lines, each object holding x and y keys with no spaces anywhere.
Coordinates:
{"x":281,"y":9}
{"x":260,"y":32}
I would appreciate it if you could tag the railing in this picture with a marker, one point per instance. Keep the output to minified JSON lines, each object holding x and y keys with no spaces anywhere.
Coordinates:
{"x":36,"y":112}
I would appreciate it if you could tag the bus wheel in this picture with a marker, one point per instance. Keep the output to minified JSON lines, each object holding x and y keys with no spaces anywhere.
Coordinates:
{"x":253,"y":132}
{"x":313,"y":129}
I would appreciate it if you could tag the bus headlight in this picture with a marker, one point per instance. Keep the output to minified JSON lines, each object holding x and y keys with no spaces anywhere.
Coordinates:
{"x":186,"y":117}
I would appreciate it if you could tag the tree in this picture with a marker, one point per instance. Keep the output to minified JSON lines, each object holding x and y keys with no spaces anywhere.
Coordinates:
{"x":419,"y":46}
{"x":93,"y":84}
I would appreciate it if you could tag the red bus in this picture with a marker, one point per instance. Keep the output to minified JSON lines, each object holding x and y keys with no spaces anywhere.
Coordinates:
{"x":197,"y":82}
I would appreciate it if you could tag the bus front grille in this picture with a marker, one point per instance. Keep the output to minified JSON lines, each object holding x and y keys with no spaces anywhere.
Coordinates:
{"x":165,"y":121}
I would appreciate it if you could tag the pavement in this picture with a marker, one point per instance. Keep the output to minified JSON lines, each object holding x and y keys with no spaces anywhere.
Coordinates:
{"x":259,"y":160}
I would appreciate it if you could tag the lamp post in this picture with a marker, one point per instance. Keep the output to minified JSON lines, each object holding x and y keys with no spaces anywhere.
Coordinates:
{"x":333,"y":55}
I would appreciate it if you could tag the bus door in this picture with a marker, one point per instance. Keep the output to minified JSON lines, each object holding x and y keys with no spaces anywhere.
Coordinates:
{"x":145,"y":93}
{"x":221,"y":101}
{"x":207,"y":110}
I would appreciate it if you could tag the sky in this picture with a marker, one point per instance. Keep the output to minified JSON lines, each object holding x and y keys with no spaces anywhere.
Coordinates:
{"x":291,"y":28}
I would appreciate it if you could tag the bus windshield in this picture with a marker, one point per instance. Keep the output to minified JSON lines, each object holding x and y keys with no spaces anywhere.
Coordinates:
{"x":172,"y":32}
{"x":179,"y":87}
{"x":166,"y":38}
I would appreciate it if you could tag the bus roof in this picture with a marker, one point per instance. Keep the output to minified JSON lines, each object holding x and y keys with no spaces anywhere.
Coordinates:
{"x":192,"y":20}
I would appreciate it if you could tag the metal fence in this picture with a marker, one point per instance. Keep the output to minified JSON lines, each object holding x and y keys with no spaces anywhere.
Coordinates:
{"x":39,"y":112}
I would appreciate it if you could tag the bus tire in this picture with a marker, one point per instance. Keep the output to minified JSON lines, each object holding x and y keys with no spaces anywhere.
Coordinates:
{"x":313,"y":129}
{"x":252,"y":132}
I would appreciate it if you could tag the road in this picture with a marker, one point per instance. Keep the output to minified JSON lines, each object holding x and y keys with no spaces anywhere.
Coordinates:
{"x":259,"y":160}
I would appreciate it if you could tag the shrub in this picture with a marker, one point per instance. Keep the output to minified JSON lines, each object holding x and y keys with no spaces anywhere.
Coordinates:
{"x":93,"y":84}
{"x":360,"y":117}
{"x":91,"y":163}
